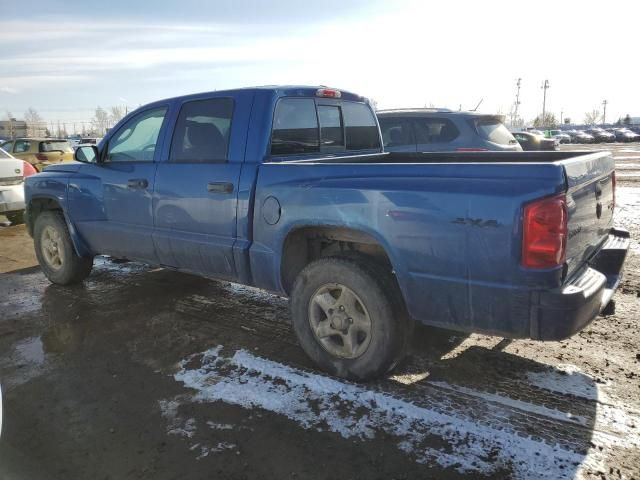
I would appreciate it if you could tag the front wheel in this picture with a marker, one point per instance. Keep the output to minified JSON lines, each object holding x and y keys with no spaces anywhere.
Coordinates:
{"x":55,"y":252}
{"x":349,"y":317}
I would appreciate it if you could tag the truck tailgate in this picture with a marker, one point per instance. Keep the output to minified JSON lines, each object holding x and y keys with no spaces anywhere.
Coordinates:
{"x":590,"y":205}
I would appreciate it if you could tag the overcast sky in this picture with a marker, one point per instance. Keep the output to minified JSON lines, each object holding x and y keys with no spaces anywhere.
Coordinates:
{"x":65,"y":57}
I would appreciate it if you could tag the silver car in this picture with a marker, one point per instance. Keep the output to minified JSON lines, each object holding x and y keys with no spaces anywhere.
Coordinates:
{"x":443,"y":130}
{"x":12,"y":174}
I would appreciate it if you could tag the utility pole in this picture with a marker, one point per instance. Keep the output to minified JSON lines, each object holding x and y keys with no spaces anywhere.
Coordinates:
{"x":604,"y":112}
{"x":517,"y":104}
{"x":561,"y":113}
{"x":544,"y":87}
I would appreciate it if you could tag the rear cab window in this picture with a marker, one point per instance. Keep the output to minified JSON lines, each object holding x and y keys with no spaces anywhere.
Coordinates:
{"x":493,"y":130}
{"x":317,"y":125}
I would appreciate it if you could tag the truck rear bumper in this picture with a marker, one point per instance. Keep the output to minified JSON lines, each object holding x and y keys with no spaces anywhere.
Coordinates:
{"x":559,"y":313}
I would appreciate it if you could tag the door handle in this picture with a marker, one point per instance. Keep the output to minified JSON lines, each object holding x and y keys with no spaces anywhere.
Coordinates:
{"x":137,"y":183}
{"x":220,"y":187}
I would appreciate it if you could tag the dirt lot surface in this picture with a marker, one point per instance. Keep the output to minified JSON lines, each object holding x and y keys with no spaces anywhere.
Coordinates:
{"x":147,"y":373}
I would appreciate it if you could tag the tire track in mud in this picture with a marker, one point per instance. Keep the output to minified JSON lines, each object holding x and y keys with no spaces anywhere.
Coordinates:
{"x":561,"y":415}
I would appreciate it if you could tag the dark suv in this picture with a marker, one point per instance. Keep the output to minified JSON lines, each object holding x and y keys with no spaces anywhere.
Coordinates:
{"x":441,"y":130}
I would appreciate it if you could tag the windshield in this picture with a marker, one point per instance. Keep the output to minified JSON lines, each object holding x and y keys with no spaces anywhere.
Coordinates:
{"x":493,"y":130}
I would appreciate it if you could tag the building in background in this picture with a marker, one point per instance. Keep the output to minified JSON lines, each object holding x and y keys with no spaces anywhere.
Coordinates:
{"x":13,"y":128}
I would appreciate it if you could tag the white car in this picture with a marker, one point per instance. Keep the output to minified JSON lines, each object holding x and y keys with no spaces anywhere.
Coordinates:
{"x":12,"y":173}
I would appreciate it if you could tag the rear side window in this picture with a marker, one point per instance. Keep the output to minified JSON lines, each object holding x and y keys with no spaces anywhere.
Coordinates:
{"x":361,"y":127}
{"x":295,"y":127}
{"x":202,"y":131}
{"x":493,"y":130}
{"x":55,"y":146}
{"x":396,"y":132}
{"x":7,"y":147}
{"x":435,"y":130}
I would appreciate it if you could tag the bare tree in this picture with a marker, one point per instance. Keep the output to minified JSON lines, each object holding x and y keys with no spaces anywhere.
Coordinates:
{"x":550,"y":120}
{"x":592,"y":117}
{"x":35,"y":123}
{"x":116,"y":114}
{"x":100,"y":121}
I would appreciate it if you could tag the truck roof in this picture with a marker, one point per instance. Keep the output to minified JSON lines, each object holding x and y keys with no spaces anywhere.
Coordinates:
{"x":278,"y":90}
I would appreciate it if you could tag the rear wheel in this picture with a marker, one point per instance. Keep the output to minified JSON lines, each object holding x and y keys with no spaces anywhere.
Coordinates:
{"x":349,"y":317}
{"x":55,"y":251}
{"x":16,"y":218}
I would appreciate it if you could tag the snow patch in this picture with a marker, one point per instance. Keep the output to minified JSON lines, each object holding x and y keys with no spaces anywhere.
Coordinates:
{"x":322,"y":403}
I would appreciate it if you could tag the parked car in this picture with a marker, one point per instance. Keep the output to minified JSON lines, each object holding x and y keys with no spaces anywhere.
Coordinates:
{"x":600,"y":135}
{"x":579,"y":136}
{"x":12,"y":175}
{"x":561,"y":136}
{"x":288,"y":189}
{"x":40,"y":152}
{"x":529,"y":141}
{"x":625,"y":135}
{"x":442,"y":130}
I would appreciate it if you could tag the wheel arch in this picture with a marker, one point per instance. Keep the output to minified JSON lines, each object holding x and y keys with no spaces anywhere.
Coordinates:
{"x":306,"y":243}
{"x":40,"y":204}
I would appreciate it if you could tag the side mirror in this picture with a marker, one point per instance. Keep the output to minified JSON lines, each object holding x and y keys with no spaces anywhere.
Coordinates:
{"x":86,"y":154}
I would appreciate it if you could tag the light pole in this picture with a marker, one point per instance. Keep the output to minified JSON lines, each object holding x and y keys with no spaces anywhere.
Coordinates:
{"x":604,"y":112}
{"x":515,"y":110}
{"x":544,"y":87}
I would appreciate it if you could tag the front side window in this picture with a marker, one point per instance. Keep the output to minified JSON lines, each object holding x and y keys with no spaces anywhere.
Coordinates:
{"x":7,"y":147}
{"x":361,"y":127}
{"x":435,"y":130}
{"x":202,"y":131}
{"x":22,"y":146}
{"x":136,"y":140}
{"x":295,"y":127}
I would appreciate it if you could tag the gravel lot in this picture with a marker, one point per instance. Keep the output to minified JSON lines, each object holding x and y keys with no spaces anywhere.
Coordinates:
{"x":147,"y":373}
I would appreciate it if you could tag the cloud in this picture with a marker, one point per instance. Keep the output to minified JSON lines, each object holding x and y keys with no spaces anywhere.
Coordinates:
{"x":10,"y":90}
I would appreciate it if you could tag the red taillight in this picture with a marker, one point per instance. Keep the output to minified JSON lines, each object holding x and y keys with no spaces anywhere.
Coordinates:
{"x":613,"y":188}
{"x":28,"y":169}
{"x":328,"y":92}
{"x":544,"y":236}
{"x":42,"y":157}
{"x":462,"y":149}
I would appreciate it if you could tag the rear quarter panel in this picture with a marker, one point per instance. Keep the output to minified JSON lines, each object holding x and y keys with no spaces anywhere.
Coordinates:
{"x":451,"y":231}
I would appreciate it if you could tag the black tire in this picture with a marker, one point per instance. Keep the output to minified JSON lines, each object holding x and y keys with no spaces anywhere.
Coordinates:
{"x":72,"y":268}
{"x":378,"y":293}
{"x":16,"y":218}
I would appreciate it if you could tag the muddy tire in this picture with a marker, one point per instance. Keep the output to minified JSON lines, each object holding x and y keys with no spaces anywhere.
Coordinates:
{"x":16,"y":218}
{"x":349,"y":317}
{"x":55,"y":252}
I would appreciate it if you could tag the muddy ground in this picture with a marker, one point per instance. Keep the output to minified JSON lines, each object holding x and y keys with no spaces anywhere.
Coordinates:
{"x":147,"y":373}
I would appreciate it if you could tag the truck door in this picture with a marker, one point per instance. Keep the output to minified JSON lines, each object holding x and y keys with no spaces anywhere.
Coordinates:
{"x":110,"y":201}
{"x":196,"y":190}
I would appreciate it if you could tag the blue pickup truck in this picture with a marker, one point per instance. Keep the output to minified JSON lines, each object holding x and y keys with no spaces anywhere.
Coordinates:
{"x":288,"y":189}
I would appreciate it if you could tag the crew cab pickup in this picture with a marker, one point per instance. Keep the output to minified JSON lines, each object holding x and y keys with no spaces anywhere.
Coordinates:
{"x":288,"y":189}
